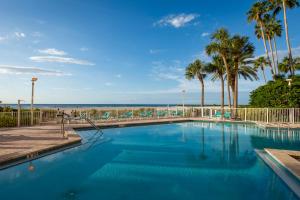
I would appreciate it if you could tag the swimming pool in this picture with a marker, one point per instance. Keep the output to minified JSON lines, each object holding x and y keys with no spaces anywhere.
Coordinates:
{"x":192,"y":160}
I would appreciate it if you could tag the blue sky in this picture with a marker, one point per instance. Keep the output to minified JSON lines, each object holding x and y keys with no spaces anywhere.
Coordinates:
{"x":114,"y":51}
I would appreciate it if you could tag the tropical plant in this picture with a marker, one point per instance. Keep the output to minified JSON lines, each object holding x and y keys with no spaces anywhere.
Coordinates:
{"x":217,"y":69}
{"x":269,"y":21}
{"x":242,"y":53}
{"x":277,"y":6}
{"x":284,"y":65}
{"x":277,"y":93}
{"x":261,"y":63}
{"x":219,"y":46}
{"x":256,"y":13}
{"x":197,"y":70}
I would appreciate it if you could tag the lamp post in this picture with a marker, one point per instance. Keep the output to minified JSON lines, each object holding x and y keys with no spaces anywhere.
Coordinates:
{"x":183,"y":93}
{"x":33,"y":80}
{"x":19,"y":112}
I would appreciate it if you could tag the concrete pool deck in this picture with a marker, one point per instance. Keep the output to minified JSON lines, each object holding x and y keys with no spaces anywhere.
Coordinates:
{"x":19,"y":144}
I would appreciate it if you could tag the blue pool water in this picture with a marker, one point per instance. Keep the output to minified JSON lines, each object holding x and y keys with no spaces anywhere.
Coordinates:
{"x":184,"y":161}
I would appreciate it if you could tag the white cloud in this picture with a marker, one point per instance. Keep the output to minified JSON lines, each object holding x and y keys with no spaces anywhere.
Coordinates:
{"x":19,"y":35}
{"x":156,"y":51}
{"x":84,"y":49}
{"x":2,"y":38}
{"x":284,"y":53}
{"x":176,"y":21}
{"x":205,"y":34}
{"x":19,"y":70}
{"x":52,"y":51}
{"x":119,"y":75}
{"x":57,"y":59}
{"x":202,"y":56}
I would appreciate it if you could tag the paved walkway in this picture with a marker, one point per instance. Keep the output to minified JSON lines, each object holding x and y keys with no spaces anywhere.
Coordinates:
{"x":21,"y":143}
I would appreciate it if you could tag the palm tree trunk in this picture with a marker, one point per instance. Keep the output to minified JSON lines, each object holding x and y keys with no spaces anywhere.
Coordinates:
{"x":287,"y":38}
{"x":263,"y":72}
{"x":229,"y":95}
{"x":272,"y":51}
{"x":228,"y":79}
{"x":276,"y":53}
{"x":222,"y":95}
{"x":265,"y":45}
{"x":202,"y":92}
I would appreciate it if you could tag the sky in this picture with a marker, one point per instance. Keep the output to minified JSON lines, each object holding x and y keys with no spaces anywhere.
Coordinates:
{"x":118,"y":51}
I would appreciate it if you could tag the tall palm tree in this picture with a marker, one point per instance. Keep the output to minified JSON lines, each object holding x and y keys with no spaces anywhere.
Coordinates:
{"x":219,"y":46}
{"x":256,"y":13}
{"x":217,"y":69}
{"x":242,"y":53}
{"x":261,"y":63}
{"x":270,"y":34}
{"x":259,"y":36}
{"x":276,"y":29}
{"x":277,"y":6}
{"x":197,"y":70}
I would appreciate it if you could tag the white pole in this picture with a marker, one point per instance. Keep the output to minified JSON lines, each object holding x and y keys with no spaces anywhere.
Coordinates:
{"x":19,"y":113}
{"x":245,"y":114}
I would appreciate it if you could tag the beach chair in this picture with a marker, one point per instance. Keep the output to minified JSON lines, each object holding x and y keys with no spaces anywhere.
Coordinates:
{"x":126,"y":115}
{"x":218,"y":114}
{"x":149,"y":114}
{"x":105,"y":116}
{"x":143,"y":114}
{"x":227,"y":115}
{"x":161,"y":113}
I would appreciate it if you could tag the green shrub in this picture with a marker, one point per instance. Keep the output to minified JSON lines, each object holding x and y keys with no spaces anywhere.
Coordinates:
{"x":277,"y":94}
{"x":7,"y":121}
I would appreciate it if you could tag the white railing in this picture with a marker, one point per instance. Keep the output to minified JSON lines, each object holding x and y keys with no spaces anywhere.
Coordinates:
{"x":266,"y":115}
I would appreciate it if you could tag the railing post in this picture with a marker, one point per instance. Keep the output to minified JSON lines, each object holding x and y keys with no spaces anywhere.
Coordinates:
{"x":293,"y":115}
{"x":19,"y":116}
{"x":41,"y":116}
{"x":245,"y":114}
{"x":202,"y":112}
{"x":267,"y":115}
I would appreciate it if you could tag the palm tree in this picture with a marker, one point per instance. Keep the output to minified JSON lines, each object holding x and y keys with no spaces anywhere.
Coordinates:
{"x":276,"y":29}
{"x":261,"y":63}
{"x":258,"y":35}
{"x":242,"y":53}
{"x":256,"y":14}
{"x":219,"y":46}
{"x":270,"y":34}
{"x":277,"y":6}
{"x":217,"y":69}
{"x":285,"y":63}
{"x":197,"y":70}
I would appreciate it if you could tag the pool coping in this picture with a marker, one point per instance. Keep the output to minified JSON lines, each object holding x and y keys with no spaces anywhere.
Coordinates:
{"x":280,"y":170}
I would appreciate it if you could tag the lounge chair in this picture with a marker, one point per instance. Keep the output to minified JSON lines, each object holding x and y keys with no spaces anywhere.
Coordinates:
{"x":218,"y":114}
{"x":105,"y":116}
{"x":227,"y":115}
{"x":161,"y":113}
{"x":126,"y":115}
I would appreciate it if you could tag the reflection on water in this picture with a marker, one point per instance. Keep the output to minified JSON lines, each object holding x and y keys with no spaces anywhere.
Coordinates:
{"x":171,"y":161}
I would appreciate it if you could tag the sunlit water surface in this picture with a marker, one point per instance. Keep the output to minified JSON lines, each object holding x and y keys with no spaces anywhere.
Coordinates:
{"x":184,"y":161}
